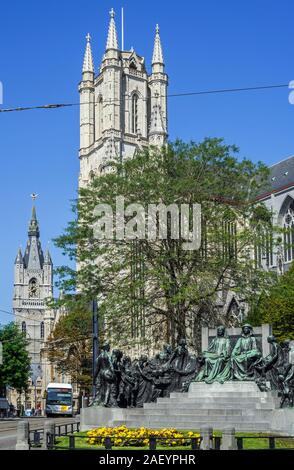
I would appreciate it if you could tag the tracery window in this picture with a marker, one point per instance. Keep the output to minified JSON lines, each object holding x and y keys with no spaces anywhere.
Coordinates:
{"x":42,"y":330}
{"x":135,"y":100}
{"x":288,"y":225}
{"x":24,"y":327}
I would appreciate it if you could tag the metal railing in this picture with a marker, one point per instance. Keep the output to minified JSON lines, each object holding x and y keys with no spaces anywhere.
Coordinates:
{"x":159,"y":441}
{"x":36,"y":436}
{"x":109,"y":442}
{"x":272,"y":442}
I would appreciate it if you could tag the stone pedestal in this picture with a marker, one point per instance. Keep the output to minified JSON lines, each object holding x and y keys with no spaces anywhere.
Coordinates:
{"x":98,"y":416}
{"x":239,"y":405}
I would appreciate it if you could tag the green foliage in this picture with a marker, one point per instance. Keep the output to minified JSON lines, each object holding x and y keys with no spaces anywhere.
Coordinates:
{"x":145,"y":283}
{"x":15,"y":369}
{"x":70,"y":344}
{"x":276,"y":306}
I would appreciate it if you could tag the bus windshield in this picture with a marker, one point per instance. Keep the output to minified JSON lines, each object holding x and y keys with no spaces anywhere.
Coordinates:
{"x":56,"y":396}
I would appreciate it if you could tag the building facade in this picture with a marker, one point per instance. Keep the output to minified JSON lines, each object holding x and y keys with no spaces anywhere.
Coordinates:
{"x":279,"y":199}
{"x":33,"y":287}
{"x":122,"y":107}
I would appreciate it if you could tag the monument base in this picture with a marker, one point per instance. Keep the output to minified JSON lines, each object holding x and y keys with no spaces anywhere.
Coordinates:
{"x":237,"y":404}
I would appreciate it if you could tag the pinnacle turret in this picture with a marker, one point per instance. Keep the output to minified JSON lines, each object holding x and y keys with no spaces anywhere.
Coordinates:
{"x":88,"y":65}
{"x":157,"y":52}
{"x":19,"y":257}
{"x":47,"y":259}
{"x":112,"y":42}
{"x":157,"y":125}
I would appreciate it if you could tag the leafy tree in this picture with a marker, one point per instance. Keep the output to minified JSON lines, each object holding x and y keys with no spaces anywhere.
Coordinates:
{"x":157,"y":288}
{"x":15,"y":370}
{"x":70,"y":345}
{"x":276,"y":306}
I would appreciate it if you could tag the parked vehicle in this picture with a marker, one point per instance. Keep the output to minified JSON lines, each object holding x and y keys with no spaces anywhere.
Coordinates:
{"x":4,"y":408}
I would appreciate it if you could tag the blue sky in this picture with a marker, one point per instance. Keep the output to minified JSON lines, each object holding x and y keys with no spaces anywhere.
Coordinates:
{"x":208,"y":44}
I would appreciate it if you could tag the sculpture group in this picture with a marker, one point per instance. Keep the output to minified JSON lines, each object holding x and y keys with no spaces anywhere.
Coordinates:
{"x":121,"y":382}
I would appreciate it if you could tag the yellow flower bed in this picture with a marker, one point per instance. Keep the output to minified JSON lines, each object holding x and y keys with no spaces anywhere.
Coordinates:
{"x":121,"y":436}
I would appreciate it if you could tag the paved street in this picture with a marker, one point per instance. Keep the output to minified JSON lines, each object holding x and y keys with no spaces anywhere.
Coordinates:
{"x":8,"y":429}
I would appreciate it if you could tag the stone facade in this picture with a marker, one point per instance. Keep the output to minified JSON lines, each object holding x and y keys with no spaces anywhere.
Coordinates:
{"x":123,"y":108}
{"x":279,"y":199}
{"x":33,"y":286}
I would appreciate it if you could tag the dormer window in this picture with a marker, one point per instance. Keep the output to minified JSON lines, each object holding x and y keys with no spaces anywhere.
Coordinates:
{"x":133,"y":65}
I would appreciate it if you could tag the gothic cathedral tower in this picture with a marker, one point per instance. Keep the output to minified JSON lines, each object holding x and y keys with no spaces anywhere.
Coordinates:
{"x":122,"y":108}
{"x":33,"y":284}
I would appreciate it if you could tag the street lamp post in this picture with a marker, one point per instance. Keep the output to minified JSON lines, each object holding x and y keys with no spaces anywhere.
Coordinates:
{"x":95,"y":330}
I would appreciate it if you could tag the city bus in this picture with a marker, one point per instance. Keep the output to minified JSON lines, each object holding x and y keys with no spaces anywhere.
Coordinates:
{"x":59,"y":400}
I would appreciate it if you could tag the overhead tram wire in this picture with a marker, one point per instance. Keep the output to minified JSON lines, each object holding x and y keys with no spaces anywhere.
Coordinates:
{"x":173,"y":95}
{"x":79,"y":338}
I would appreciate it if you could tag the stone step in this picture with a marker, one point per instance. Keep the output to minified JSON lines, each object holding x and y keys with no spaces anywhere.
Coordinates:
{"x":218,"y":400}
{"x":229,"y":383}
{"x":187,"y":418}
{"x":224,"y":387}
{"x":224,"y":394}
{"x":196,"y":413}
{"x":208,"y":405}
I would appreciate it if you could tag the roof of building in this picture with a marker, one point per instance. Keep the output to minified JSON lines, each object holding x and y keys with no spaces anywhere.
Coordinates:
{"x":281,"y":176}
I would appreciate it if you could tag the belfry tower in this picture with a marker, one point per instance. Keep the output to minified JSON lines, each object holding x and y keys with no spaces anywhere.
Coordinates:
{"x":33,"y":285}
{"x":123,"y":108}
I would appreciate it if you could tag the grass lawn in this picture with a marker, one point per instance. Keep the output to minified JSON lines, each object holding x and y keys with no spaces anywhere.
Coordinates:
{"x":255,"y":441}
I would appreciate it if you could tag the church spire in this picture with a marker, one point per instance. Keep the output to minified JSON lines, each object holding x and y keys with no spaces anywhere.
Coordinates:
{"x":34,"y":226}
{"x":33,"y":256}
{"x":157,"y":52}
{"x":112,"y":42}
{"x":88,"y":65}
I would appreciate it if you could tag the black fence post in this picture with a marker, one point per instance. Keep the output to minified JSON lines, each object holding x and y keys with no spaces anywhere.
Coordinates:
{"x":152,"y":443}
{"x":195,"y":443}
{"x":72,"y":443}
{"x":50,"y":440}
{"x":217,"y":442}
{"x":72,"y":427}
{"x":37,"y":438}
{"x":272,"y":443}
{"x":108,"y":443}
{"x":240,"y":443}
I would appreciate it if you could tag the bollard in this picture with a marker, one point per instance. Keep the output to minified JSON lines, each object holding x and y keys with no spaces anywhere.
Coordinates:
{"x":49,"y":429}
{"x":23,"y":433}
{"x":206,"y":434}
{"x":229,"y":439}
{"x":152,"y":443}
{"x":85,"y":402}
{"x":108,"y":443}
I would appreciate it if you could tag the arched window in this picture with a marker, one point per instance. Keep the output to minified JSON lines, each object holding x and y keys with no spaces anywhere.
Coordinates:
{"x":288,"y":225}
{"x":135,"y":100}
{"x":100,"y":116}
{"x":42,"y":330}
{"x":24,"y":327}
{"x":33,"y":288}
